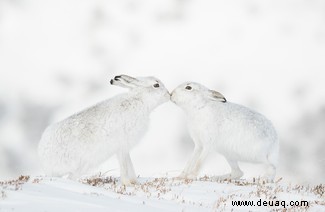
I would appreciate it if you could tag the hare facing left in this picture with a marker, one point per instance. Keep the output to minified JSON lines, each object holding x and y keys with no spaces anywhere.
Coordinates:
{"x":235,"y":131}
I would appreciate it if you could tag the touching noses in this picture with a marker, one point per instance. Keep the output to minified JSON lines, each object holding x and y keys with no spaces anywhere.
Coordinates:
{"x":172,"y":96}
{"x":167,"y":95}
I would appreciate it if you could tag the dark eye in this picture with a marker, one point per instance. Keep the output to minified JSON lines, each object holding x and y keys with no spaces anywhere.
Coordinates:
{"x":156,"y":85}
{"x":188,"y":88}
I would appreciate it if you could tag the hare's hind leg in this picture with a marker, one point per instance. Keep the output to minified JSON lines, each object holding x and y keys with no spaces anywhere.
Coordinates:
{"x":272,"y":160}
{"x":270,"y":173}
{"x":236,"y":172}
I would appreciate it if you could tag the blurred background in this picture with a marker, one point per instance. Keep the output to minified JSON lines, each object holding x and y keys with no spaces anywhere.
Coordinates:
{"x":57,"y":57}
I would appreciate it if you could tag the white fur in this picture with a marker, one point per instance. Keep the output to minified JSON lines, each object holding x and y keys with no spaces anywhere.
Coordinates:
{"x":235,"y":131}
{"x":84,"y":140}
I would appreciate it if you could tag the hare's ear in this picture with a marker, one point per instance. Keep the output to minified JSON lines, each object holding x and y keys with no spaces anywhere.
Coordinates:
{"x":215,"y":95}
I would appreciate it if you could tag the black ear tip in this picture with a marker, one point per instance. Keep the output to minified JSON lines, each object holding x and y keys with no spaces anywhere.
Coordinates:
{"x":224,"y":100}
{"x":117,"y":77}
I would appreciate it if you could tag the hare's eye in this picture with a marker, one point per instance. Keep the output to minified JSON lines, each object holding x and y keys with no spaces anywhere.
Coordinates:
{"x":156,"y":85}
{"x":188,"y":88}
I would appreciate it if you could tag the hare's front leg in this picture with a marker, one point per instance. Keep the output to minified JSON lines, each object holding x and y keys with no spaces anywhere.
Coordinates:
{"x":194,"y":164}
{"x":131,"y":173}
{"x":128,"y":176}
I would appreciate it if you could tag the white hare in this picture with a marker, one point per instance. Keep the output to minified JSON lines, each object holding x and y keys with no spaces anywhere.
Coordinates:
{"x":235,"y":131}
{"x":84,"y":140}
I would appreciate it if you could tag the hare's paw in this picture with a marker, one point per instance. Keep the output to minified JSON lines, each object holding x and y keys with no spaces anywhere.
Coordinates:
{"x":230,"y":176}
{"x":128,"y":182}
{"x":186,"y":176}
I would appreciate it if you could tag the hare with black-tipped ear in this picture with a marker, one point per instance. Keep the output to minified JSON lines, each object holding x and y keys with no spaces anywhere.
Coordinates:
{"x":235,"y":131}
{"x":84,"y":140}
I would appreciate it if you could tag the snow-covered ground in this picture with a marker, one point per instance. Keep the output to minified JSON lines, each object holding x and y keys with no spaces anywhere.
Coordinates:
{"x":36,"y":194}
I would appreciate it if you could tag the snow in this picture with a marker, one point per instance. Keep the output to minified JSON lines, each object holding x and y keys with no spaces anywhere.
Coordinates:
{"x":99,"y":193}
